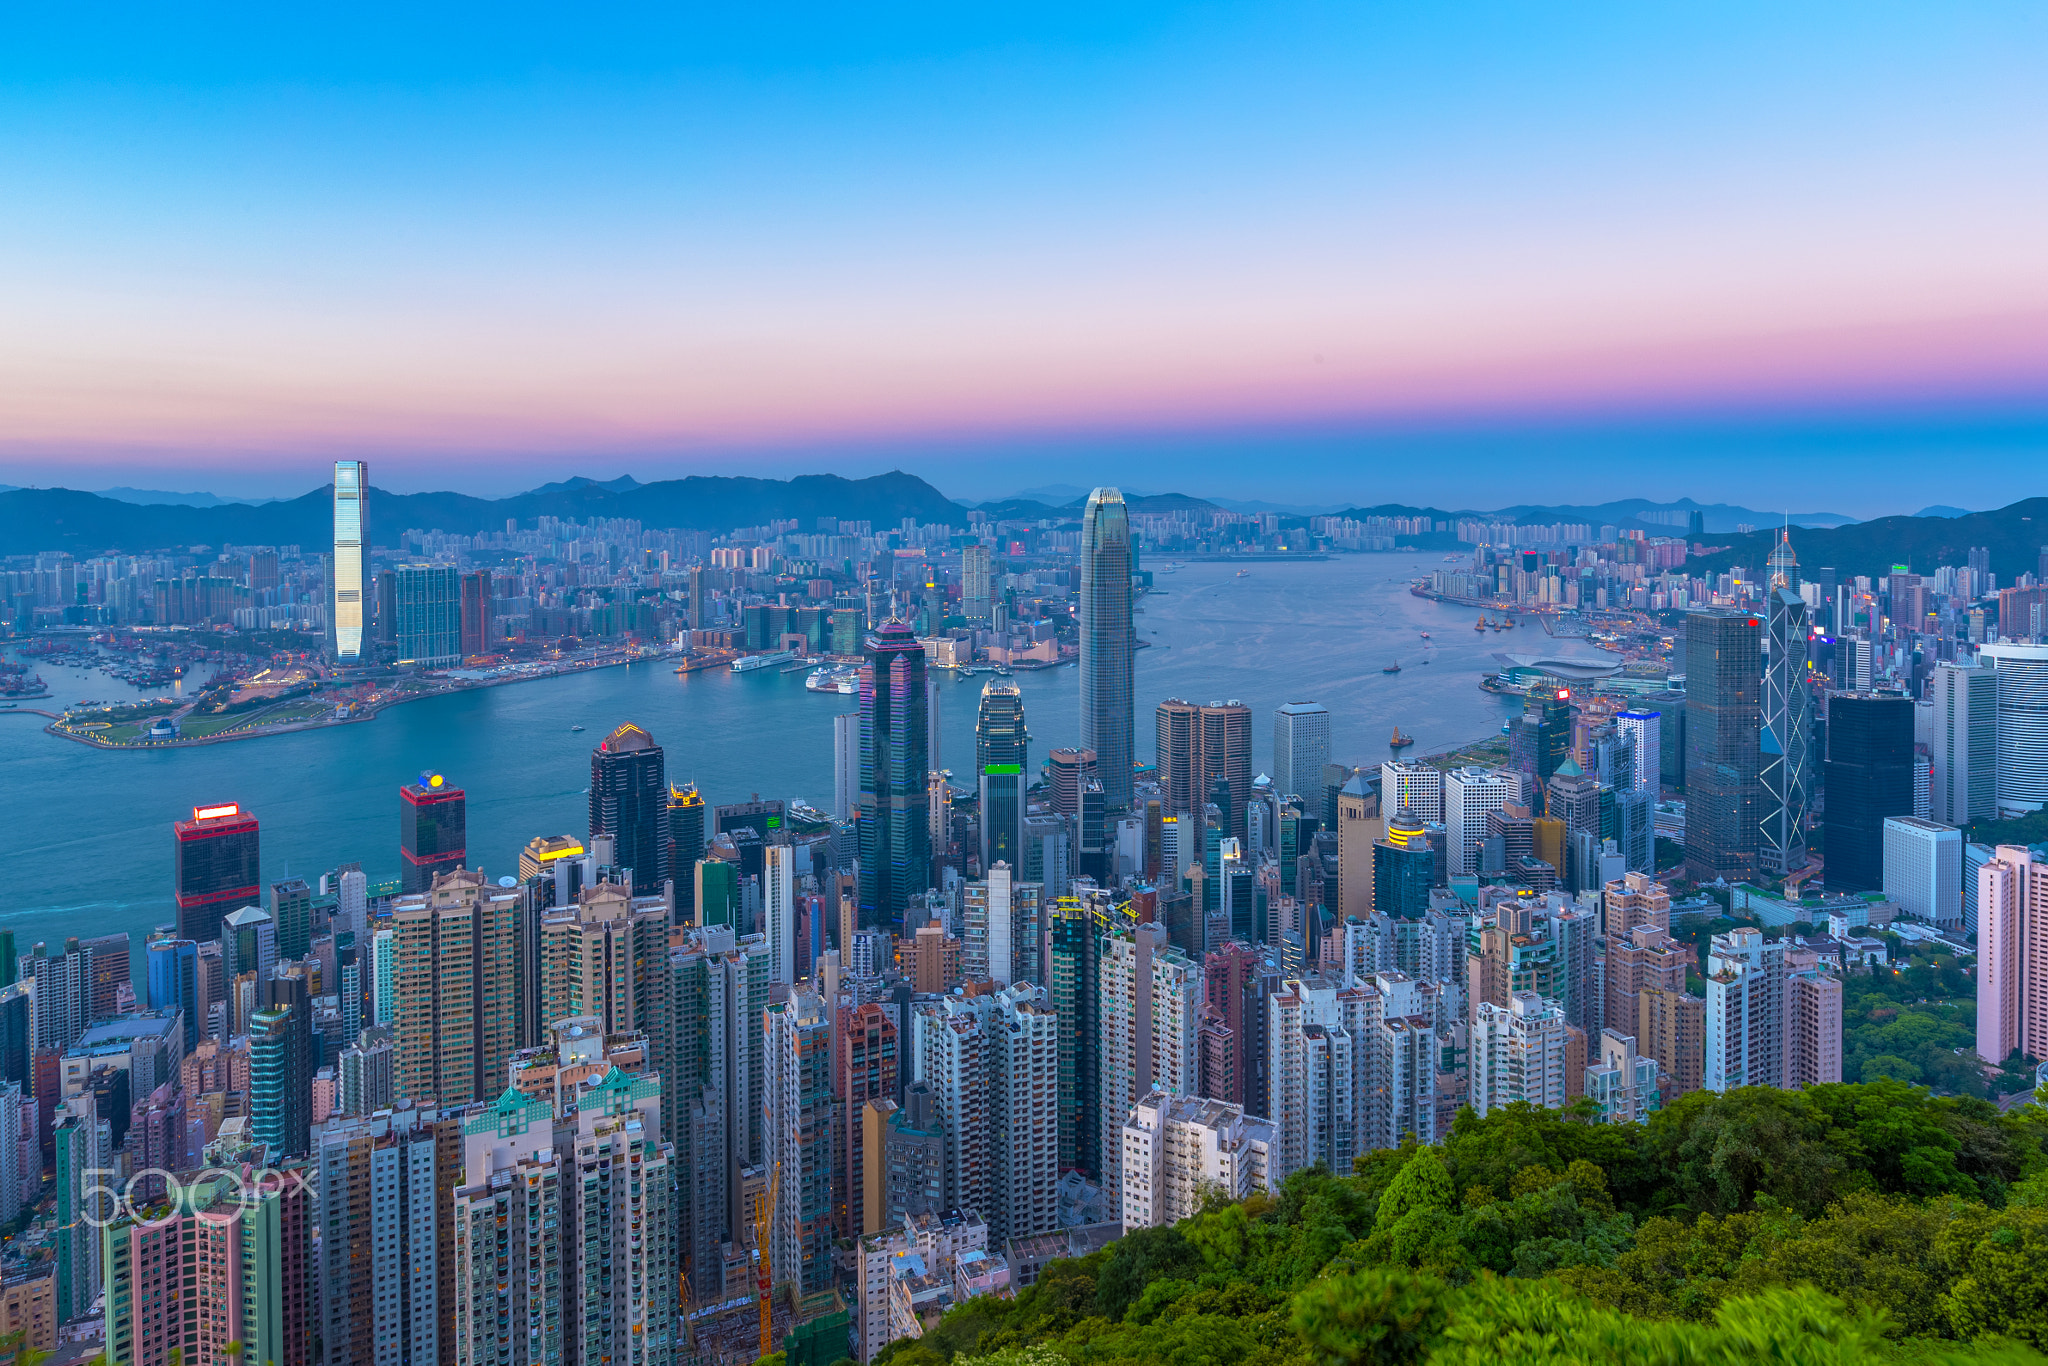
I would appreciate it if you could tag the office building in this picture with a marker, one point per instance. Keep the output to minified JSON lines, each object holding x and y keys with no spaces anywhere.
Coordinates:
{"x":433,"y":836}
{"x":1964,"y":743}
{"x":2022,"y":675}
{"x":1301,"y":747}
{"x":1149,"y":1000}
{"x":1177,"y":1149}
{"x":977,"y":598}
{"x":1784,"y":743}
{"x":291,"y":910}
{"x":1402,"y":869}
{"x":281,"y":1063}
{"x":1519,"y":1053}
{"x":454,"y":1015}
{"x":1645,"y":731}
{"x":686,"y":838}
{"x":1869,"y":779}
{"x":895,"y":802}
{"x":477,"y":635}
{"x":1002,"y":763}
{"x":426,"y":630}
{"x":1107,"y":642}
{"x":347,"y":570}
{"x":1723,"y":722}
{"x":172,"y":979}
{"x":1539,"y":741}
{"x":384,"y":1212}
{"x":1414,"y":785}
{"x":1204,"y":755}
{"x":217,"y":867}
{"x":846,"y":765}
{"x":629,"y":802}
{"x":2012,"y":946}
{"x":1923,"y":870}
{"x":1073,"y":990}
{"x":1470,"y":794}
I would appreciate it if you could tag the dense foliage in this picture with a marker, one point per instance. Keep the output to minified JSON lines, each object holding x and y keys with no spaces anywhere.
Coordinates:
{"x":1861,"y":1222}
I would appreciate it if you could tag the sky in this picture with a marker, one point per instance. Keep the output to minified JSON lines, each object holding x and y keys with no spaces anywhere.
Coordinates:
{"x":1463,"y":254}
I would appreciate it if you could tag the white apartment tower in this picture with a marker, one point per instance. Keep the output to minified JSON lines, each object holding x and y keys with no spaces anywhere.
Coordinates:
{"x":1149,"y":1003}
{"x":1518,"y":1053}
{"x":1176,"y":1149}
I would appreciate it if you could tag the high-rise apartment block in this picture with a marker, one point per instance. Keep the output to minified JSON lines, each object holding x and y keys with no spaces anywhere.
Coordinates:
{"x":1148,"y":1010}
{"x":2012,"y":942}
{"x":1002,"y":928}
{"x":1177,"y":1149}
{"x":1520,"y":1052}
{"x":1768,"y":1025}
{"x":1205,"y":752}
{"x":1351,"y":1066}
{"x":454,"y":990}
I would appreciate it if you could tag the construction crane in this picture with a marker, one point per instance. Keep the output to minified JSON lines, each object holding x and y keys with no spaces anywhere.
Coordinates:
{"x":764,"y":1277}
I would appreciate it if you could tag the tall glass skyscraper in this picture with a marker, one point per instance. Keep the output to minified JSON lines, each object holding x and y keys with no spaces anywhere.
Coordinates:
{"x":1724,"y":798}
{"x":1785,"y":758}
{"x":347,"y":569}
{"x":1002,"y":764}
{"x":895,"y":828}
{"x":629,"y":802}
{"x":1106,"y":725}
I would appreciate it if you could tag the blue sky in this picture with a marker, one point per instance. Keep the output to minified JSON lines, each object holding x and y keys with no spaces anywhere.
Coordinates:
{"x":1470,"y":253}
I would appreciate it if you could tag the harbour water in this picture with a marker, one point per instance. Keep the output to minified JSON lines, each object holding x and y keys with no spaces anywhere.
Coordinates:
{"x":92,"y":829}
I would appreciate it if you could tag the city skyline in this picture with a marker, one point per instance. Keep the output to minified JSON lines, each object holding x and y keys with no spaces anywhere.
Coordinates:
{"x":1142,"y":241}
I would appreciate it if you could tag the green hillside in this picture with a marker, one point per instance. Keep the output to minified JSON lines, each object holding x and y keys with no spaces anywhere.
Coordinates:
{"x":1851,"y":1223}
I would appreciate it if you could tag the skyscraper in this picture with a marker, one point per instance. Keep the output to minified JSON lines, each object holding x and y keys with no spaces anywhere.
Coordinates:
{"x":1723,"y":718}
{"x":976,"y":599}
{"x":1301,"y":746}
{"x":895,"y":829}
{"x":454,"y":1000}
{"x":846,"y":765}
{"x":1198,"y":746}
{"x":347,"y":570}
{"x":1149,"y":1005}
{"x":433,"y":832}
{"x":1964,"y":745}
{"x":629,"y":802}
{"x":1646,"y":730}
{"x":1869,"y":778}
{"x":1106,"y":647}
{"x":476,"y":612}
{"x":2012,"y":991}
{"x":217,"y":867}
{"x":427,"y":628}
{"x":2022,"y":725}
{"x":1785,"y":761}
{"x":1002,"y":761}
{"x":685,"y":847}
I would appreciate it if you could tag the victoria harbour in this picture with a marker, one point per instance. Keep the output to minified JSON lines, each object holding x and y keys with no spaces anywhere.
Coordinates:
{"x":1285,"y":631}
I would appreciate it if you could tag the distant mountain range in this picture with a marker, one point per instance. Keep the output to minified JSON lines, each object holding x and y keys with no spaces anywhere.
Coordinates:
{"x":90,"y":523}
{"x":2015,"y":536}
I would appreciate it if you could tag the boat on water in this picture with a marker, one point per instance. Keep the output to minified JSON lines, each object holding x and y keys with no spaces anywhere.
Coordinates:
{"x":1244,"y":573}
{"x":752,"y":662}
{"x":1400,"y":741}
{"x":1425,"y":636}
{"x":574,"y":729}
{"x":1481,"y":624}
{"x":826,"y":678}
{"x":1393,"y":668}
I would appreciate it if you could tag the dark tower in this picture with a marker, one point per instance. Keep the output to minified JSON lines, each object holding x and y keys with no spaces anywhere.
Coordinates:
{"x":629,"y":802}
{"x":217,"y":867}
{"x":685,"y":847}
{"x":1869,"y":777}
{"x":895,"y":828}
{"x":1723,"y":723}
{"x":433,"y":826}
{"x":1106,"y":649}
{"x":1001,"y":761}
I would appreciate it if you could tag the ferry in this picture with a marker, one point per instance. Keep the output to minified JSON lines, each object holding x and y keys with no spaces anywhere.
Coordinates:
{"x":826,"y":678}
{"x":751,"y":662}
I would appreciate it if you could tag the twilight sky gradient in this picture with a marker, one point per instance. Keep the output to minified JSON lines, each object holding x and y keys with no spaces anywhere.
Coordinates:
{"x":1462,"y":253}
